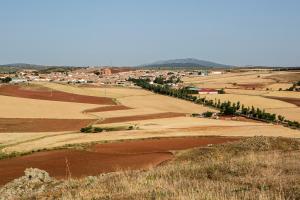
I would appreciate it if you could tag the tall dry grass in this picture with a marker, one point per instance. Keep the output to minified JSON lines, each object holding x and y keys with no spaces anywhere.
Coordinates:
{"x":255,"y":168}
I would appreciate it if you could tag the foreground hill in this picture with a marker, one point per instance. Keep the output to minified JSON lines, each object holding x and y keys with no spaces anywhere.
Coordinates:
{"x":253,"y":168}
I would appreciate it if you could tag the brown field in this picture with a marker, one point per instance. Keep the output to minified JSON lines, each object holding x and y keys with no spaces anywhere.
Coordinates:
{"x":140,"y":117}
{"x":102,"y":158}
{"x":250,"y":86}
{"x":107,"y":108}
{"x":53,"y":95}
{"x":19,"y":125}
{"x":154,"y":128}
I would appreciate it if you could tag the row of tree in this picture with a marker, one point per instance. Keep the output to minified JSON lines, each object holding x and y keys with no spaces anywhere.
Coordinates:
{"x":226,"y":108}
{"x":161,"y":80}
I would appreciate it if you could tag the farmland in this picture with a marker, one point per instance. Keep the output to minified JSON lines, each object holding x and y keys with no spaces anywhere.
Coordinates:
{"x":40,"y":123}
{"x":261,"y":89}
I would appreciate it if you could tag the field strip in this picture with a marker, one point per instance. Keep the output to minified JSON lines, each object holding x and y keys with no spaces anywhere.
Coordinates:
{"x":53,"y":95}
{"x":141,"y":117}
{"x":80,"y":138}
{"x":108,"y":157}
{"x":2,"y":148}
{"x":106,"y":108}
{"x":17,"y":125}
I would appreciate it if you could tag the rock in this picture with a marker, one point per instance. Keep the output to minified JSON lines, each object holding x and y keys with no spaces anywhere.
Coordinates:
{"x":37,"y":175}
{"x":34,"y":182}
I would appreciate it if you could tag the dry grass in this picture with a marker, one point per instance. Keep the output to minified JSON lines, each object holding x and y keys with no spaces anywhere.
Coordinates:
{"x":255,"y":168}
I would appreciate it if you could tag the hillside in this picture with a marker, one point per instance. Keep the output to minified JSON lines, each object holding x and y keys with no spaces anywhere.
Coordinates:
{"x":186,"y":62}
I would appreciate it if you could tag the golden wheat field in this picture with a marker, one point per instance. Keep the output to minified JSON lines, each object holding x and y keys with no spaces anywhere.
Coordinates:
{"x":255,"y":88}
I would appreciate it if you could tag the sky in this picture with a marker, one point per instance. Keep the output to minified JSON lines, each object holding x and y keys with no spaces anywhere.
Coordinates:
{"x":133,"y":32}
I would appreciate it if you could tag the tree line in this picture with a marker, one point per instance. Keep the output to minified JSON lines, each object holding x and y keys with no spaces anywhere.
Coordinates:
{"x":225,"y":108}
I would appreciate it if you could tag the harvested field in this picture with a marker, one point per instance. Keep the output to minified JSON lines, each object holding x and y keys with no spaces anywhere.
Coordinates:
{"x":158,"y":145}
{"x":155,"y":128}
{"x":53,"y":95}
{"x":15,"y":107}
{"x":250,"y":86}
{"x":163,"y":103}
{"x":107,"y":108}
{"x":41,"y":125}
{"x":127,"y":113}
{"x":103,"y":157}
{"x":251,"y":100}
{"x":140,"y":117}
{"x":288,"y":113}
{"x":111,"y":92}
{"x":295,"y":101}
{"x":285,"y":77}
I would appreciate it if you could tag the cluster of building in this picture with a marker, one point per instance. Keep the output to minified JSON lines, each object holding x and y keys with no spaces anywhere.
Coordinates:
{"x":110,"y":76}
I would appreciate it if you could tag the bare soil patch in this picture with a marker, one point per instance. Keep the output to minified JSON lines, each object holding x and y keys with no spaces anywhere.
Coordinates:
{"x":238,"y":118}
{"x":53,"y":95}
{"x":107,"y":108}
{"x":102,"y":158}
{"x":295,"y":101}
{"x":158,"y":145}
{"x":18,"y":125}
{"x":141,"y":117}
{"x":250,"y":86}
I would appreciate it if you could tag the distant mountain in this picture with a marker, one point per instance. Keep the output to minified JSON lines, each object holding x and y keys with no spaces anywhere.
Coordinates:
{"x":186,"y":62}
{"x":14,"y":67}
{"x":21,"y":65}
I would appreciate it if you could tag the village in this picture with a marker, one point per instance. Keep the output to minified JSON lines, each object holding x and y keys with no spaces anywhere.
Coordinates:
{"x":105,"y":76}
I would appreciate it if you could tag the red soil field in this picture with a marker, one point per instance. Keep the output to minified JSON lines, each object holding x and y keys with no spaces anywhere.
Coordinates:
{"x":101,"y":158}
{"x":106,"y":108}
{"x":52,"y":95}
{"x":158,"y":145}
{"x":250,"y":86}
{"x":14,"y":125}
{"x":141,"y":117}
{"x":295,"y":101}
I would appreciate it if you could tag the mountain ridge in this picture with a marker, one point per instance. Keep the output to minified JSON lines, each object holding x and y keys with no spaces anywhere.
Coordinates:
{"x":185,"y":62}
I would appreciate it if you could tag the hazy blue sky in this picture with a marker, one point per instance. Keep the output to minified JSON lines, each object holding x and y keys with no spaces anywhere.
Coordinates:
{"x":128,"y":32}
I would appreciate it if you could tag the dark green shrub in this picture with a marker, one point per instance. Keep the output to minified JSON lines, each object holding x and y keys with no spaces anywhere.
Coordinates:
{"x":207,"y":114}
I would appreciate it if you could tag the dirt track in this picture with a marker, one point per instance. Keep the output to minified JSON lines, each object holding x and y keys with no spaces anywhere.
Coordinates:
{"x":52,"y":95}
{"x":101,"y":158}
{"x":15,"y":125}
{"x":141,"y":117}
